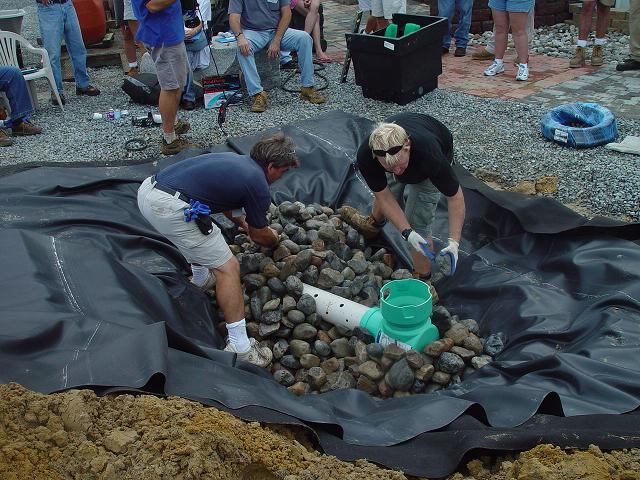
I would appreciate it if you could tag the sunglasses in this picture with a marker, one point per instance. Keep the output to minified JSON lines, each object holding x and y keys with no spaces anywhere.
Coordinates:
{"x":391,"y":151}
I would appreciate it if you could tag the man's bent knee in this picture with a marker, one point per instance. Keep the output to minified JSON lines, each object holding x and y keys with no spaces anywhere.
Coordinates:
{"x":230,"y":268}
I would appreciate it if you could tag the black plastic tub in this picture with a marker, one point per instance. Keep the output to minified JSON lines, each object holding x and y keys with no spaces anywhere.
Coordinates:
{"x":399,"y":69}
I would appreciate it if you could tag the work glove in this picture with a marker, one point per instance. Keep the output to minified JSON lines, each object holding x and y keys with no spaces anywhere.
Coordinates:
{"x":448,"y":258}
{"x":420,"y":245}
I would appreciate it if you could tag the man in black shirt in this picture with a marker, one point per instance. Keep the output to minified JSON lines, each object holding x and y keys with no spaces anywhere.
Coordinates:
{"x":414,"y":150}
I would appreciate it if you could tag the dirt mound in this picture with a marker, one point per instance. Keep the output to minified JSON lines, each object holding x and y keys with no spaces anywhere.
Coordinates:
{"x":78,"y":435}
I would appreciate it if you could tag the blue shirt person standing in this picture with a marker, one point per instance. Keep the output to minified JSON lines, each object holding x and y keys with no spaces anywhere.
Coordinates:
{"x":162,"y":32}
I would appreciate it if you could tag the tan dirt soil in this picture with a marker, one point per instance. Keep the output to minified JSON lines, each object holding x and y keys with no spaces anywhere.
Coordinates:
{"x":77,"y":435}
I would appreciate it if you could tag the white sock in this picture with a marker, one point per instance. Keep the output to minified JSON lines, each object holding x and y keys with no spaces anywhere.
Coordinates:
{"x":238,"y":335}
{"x":600,"y":41}
{"x":524,"y":65}
{"x":200,"y":275}
{"x":133,"y":64}
{"x":169,"y":137}
{"x":581,"y":43}
{"x":499,"y":61}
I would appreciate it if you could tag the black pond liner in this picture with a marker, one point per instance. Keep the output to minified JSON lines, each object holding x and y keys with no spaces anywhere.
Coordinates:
{"x":93,"y":297}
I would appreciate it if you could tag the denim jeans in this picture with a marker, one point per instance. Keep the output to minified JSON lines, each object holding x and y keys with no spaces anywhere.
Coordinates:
{"x":291,"y":40}
{"x":14,"y":86}
{"x":58,"y":20}
{"x":447,"y":8}
{"x":193,"y":51}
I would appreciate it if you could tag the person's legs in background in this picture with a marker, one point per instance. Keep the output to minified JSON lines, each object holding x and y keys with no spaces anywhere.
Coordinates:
{"x":465,"y":9}
{"x":584,"y":28}
{"x":257,"y":41}
{"x":518,"y":21}
{"x":487,"y":53}
{"x":633,"y":62}
{"x":501,"y":26}
{"x":377,"y":17}
{"x":602,"y":24}
{"x":171,"y":68}
{"x":301,"y":42}
{"x":312,"y":25}
{"x":130,"y":50}
{"x":12,"y":83}
{"x":50,"y":19}
{"x":446,"y":8}
{"x":77,"y":51}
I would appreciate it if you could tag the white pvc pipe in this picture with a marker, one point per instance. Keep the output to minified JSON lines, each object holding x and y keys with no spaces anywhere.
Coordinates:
{"x":335,"y":309}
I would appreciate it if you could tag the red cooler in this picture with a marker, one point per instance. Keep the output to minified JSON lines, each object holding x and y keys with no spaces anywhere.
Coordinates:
{"x":93,"y":22}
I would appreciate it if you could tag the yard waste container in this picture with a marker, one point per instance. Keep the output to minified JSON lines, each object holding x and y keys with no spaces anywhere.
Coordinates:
{"x":92,"y":19}
{"x":403,"y":68}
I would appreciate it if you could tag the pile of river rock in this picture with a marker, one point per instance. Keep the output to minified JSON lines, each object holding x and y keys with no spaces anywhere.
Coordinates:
{"x":320,"y":248}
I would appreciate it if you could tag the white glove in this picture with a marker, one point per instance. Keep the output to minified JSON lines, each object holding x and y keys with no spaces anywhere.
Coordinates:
{"x":420,"y":245}
{"x":448,"y":258}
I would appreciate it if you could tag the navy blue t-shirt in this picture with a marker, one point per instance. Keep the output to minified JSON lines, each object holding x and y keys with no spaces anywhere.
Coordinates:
{"x":223,"y":181}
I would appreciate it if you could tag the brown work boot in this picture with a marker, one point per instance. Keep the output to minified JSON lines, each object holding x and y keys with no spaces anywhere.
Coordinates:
{"x":259,"y":102}
{"x":174,"y":147}
{"x":483,"y":54}
{"x":597,"y":55}
{"x":578,"y":58}
{"x":367,"y":226}
{"x":182,"y":127}
{"x":310,"y":94}
{"x":24,"y":129}
{"x":5,"y":140}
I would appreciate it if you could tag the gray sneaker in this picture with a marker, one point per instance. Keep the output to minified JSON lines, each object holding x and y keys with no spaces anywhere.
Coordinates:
{"x":260,"y":356}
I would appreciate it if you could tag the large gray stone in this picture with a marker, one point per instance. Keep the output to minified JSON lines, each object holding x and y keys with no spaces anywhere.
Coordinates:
{"x":271,"y":317}
{"x":307,"y":304}
{"x":400,"y":376}
{"x":296,"y":316}
{"x":294,"y":285}
{"x":304,"y":331}
{"x":450,"y":363}
{"x":341,"y":348}
{"x":340,"y":380}
{"x":284,"y":377}
{"x":329,"y":278}
{"x":494,"y":344}
{"x":299,"y":347}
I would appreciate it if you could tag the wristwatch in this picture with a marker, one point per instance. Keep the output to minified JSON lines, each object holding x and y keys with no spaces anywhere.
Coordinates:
{"x":406,"y":232}
{"x":238,"y":34}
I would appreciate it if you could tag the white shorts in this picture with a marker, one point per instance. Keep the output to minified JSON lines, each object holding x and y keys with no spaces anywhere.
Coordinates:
{"x":128,"y":11}
{"x":386,"y":8}
{"x":166,"y":214}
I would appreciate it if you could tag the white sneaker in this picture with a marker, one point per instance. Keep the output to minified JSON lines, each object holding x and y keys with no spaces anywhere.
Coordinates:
{"x":523,"y":72}
{"x":494,"y":69}
{"x":260,"y":356}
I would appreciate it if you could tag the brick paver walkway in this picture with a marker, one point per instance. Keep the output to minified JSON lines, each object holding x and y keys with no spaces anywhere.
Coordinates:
{"x":551,"y":83}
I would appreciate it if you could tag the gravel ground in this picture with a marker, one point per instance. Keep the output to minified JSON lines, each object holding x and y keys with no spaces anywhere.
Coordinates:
{"x":510,"y":144}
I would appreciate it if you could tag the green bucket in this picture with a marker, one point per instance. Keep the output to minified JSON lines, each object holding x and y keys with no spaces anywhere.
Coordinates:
{"x":404,"y":315}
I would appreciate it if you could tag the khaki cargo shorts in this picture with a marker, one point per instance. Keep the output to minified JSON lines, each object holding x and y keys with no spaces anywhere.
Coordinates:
{"x":420,"y":204}
{"x":166,"y":214}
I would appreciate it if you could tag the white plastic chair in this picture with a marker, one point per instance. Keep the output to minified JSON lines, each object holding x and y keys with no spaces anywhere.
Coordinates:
{"x":9,"y":57}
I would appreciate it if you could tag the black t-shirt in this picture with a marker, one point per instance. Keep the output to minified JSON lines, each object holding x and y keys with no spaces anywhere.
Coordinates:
{"x":430,"y":156}
{"x":223,"y":181}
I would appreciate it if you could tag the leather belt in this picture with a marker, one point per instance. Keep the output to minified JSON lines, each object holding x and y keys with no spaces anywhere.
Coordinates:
{"x":170,"y":191}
